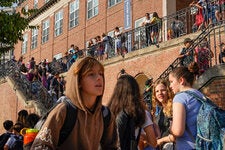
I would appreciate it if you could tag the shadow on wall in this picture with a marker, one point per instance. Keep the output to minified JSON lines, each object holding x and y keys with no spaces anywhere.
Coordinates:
{"x":141,"y":78}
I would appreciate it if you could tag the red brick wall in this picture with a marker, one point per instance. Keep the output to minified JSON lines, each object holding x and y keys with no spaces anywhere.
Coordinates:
{"x":105,"y":21}
{"x":151,"y":61}
{"x":216,"y":91}
{"x":9,"y":104}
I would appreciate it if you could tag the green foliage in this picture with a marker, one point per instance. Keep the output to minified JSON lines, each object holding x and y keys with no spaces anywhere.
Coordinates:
{"x":12,"y":26}
{"x":7,"y":3}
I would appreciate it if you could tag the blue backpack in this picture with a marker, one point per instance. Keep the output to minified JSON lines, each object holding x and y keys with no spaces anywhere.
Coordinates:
{"x":210,"y":125}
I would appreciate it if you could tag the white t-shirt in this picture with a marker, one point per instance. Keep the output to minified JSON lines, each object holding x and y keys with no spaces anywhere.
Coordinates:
{"x":146,"y":20}
{"x":148,"y":122}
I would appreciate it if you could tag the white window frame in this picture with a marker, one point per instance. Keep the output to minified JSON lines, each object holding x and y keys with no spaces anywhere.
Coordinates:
{"x":74,"y":14}
{"x":47,"y":1}
{"x":45,"y":31}
{"x":112,"y":3}
{"x":58,"y":23}
{"x":35,"y":4}
{"x":26,"y":8}
{"x":58,"y":56}
{"x":34,"y":38}
{"x":92,"y":8}
{"x":24,"y":44}
{"x":138,"y":23}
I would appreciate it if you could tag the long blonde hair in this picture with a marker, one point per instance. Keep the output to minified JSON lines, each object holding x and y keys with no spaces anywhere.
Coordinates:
{"x":167,"y":109}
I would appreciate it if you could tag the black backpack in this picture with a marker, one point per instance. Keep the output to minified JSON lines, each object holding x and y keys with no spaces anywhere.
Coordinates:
{"x":18,"y":143}
{"x":3,"y":139}
{"x":70,"y":120}
{"x":126,"y":129}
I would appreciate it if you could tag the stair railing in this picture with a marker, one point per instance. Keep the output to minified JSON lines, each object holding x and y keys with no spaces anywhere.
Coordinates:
{"x":205,"y":32}
{"x":31,"y":90}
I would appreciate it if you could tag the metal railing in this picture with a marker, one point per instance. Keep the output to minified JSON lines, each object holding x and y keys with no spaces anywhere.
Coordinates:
{"x":30,"y":90}
{"x":213,"y":35}
{"x":135,"y":39}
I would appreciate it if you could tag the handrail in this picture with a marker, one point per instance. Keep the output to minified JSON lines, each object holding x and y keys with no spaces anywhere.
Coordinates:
{"x":194,"y":44}
{"x":31,"y":90}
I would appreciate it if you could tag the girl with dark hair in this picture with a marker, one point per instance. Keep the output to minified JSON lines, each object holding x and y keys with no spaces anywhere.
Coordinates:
{"x":22,"y":116}
{"x":127,"y":105}
{"x":185,"y":108}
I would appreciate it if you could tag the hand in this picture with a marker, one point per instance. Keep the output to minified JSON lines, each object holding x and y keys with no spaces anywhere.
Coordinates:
{"x":188,"y":53}
{"x":159,"y":142}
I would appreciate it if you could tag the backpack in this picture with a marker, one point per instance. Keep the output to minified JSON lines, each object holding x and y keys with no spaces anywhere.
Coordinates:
{"x":126,"y":130}
{"x":70,"y":119}
{"x":3,"y":139}
{"x":210,"y":125}
{"x":18,"y":143}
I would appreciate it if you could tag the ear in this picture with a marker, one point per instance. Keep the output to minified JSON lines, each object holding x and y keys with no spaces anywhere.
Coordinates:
{"x":182,"y":81}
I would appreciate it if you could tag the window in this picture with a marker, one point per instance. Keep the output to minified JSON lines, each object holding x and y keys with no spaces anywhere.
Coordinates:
{"x":24,"y":44}
{"x":35,"y":4}
{"x":58,"y":56}
{"x":26,"y":11}
{"x":74,"y":13}
{"x":139,"y":33}
{"x":92,"y":8}
{"x":113,"y":2}
{"x":45,"y":31}
{"x":34,"y":38}
{"x":58,"y":23}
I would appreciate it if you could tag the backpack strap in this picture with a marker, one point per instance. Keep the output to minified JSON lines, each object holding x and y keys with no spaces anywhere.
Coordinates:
{"x":106,"y":120}
{"x":199,"y":99}
{"x":204,"y":100}
{"x":70,"y":120}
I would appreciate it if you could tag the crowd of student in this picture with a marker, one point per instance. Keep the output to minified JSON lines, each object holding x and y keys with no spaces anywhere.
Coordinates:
{"x":153,"y":125}
{"x":45,"y":74}
{"x":12,"y":139}
{"x":207,"y":12}
{"x":164,"y":116}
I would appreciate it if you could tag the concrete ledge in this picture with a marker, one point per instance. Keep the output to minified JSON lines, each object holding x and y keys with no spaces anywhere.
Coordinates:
{"x":212,"y":72}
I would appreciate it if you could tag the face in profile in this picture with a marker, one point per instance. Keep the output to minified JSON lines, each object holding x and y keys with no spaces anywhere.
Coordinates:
{"x":161,"y":93}
{"x":174,"y":84}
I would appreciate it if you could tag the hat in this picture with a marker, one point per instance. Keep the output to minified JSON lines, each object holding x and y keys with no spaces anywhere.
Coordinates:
{"x":187,"y":40}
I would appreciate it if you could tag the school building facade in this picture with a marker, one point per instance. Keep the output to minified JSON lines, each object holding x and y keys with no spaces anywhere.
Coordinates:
{"x":65,"y":22}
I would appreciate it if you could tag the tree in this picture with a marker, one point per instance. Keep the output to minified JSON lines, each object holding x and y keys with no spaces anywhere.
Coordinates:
{"x":12,"y":25}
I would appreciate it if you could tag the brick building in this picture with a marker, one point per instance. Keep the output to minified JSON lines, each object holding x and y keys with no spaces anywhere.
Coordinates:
{"x":65,"y":22}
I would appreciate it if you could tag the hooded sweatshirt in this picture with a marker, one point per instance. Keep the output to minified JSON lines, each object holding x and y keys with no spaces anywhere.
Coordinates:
{"x":88,"y":129}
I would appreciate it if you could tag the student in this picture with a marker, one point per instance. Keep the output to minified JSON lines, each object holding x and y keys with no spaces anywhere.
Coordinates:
{"x":146,"y":24}
{"x":15,"y":142}
{"x":203,"y":56}
{"x":148,"y":93}
{"x":118,"y":43}
{"x":185,"y":108}
{"x":127,"y":105}
{"x":162,"y":101}
{"x":22,"y":115}
{"x":185,"y":55}
{"x":84,"y":88}
{"x":222,"y":53}
{"x":8,"y":126}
